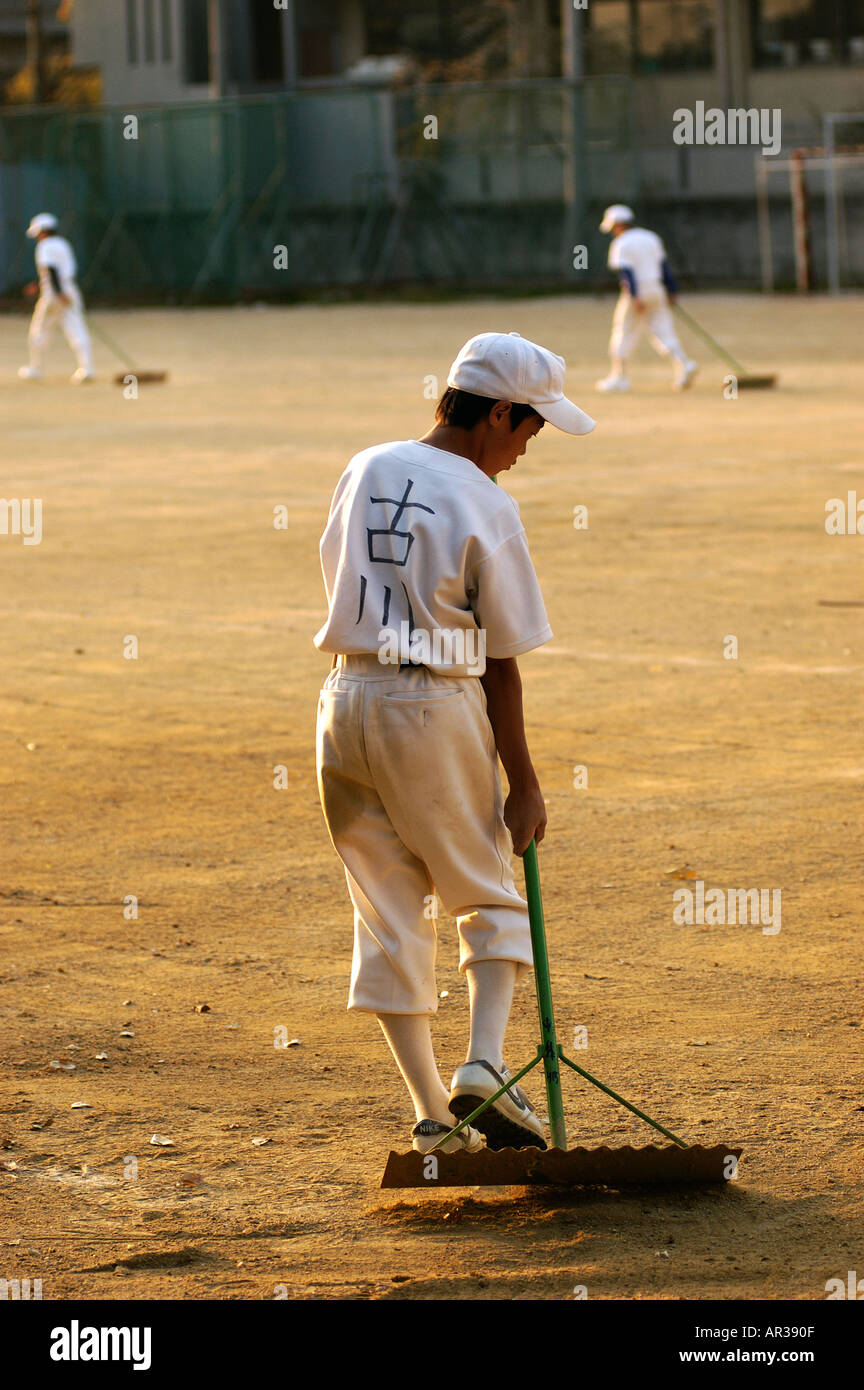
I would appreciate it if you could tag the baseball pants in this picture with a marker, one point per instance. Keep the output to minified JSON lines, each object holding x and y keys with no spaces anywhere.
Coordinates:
{"x":47,"y":314}
{"x":409,"y":784}
{"x":628,"y":325}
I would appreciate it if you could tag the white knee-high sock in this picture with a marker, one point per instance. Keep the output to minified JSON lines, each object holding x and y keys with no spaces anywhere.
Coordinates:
{"x":410,"y":1040}
{"x":490,"y":990}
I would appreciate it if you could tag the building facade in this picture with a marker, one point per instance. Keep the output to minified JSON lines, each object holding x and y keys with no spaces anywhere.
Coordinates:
{"x":804,"y":55}
{"x":153,"y":51}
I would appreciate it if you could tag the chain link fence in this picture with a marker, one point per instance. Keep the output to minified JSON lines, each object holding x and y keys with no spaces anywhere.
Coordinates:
{"x":451,"y":185}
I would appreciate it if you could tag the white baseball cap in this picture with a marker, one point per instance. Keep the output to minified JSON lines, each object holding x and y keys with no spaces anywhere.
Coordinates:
{"x":618,"y":212}
{"x":507,"y":367}
{"x":42,"y":222}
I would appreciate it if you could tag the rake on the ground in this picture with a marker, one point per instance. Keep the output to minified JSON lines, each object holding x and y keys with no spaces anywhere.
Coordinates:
{"x":747,"y":381}
{"x":141,"y":374}
{"x":559,"y":1166}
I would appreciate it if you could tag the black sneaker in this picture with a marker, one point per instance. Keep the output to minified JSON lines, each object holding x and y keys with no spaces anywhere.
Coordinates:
{"x":510,"y":1123}
{"x":426,"y":1134}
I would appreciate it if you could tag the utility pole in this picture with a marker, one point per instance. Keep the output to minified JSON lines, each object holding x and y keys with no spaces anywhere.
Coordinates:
{"x":572,"y":70}
{"x":35,"y":50}
{"x":571,"y":40}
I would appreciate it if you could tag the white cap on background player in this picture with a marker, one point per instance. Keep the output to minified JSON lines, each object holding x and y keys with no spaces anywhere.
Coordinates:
{"x":42,"y":222}
{"x":618,"y":212}
{"x":507,"y":367}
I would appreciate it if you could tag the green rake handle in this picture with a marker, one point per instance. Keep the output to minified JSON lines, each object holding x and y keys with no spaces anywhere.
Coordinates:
{"x":550,"y":1053}
{"x":712,"y":342}
{"x":549,"y":1049}
{"x":110,"y":343}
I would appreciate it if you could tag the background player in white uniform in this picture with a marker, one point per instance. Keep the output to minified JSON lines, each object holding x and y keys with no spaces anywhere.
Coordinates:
{"x":647,"y":289}
{"x":59,"y":301}
{"x":420,"y":540}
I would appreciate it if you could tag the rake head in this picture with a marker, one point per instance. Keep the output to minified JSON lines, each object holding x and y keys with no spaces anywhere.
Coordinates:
{"x":756,"y":383}
{"x":121,"y":378}
{"x":604,"y":1167}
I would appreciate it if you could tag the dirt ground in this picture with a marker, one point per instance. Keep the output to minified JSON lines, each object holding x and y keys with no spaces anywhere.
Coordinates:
{"x":154,"y":777}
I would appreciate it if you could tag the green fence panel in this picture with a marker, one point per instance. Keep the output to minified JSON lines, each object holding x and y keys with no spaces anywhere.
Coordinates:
{"x":474,"y":183}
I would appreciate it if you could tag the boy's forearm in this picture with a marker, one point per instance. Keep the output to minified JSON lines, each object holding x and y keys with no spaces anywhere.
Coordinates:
{"x":524,"y":809}
{"x":503,"y":686}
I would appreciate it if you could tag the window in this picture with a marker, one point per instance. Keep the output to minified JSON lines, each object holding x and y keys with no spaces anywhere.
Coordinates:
{"x":787,"y":33}
{"x":674,"y":35}
{"x":196,"y":52}
{"x":266,"y":43}
{"x":644,"y":36}
{"x":149,"y":32}
{"x":317,"y":53}
{"x":131,"y":32}
{"x":317,"y":27}
{"x":166,"y":19}
{"x":609,"y":36}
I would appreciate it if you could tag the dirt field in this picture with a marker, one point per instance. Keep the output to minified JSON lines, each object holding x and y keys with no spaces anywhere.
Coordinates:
{"x":154,"y":777}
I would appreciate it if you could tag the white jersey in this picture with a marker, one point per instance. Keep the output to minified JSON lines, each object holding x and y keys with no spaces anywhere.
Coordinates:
{"x":55,"y":252}
{"x":421,"y":541}
{"x":642,"y":253}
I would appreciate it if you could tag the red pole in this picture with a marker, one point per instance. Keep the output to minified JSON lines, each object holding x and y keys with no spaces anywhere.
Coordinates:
{"x":801,"y":220}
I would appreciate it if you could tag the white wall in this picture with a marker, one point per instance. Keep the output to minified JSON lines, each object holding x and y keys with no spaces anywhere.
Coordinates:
{"x":802,"y":94}
{"x":99,"y":38}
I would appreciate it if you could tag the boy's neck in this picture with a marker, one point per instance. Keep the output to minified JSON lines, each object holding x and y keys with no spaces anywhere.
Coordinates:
{"x":454,"y":440}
